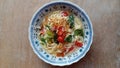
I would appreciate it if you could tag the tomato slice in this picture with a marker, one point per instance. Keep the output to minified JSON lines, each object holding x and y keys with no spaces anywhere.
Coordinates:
{"x":60,"y":39}
{"x":64,"y":34}
{"x":60,"y":33}
{"x":79,"y":44}
{"x":61,"y":28}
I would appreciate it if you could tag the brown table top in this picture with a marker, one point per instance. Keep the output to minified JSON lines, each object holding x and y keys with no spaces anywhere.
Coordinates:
{"x":15,"y":49}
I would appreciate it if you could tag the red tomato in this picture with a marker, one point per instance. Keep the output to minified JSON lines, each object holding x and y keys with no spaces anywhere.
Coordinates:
{"x":61,"y":28}
{"x":60,"y":33}
{"x":60,"y":39}
{"x":65,"y":13}
{"x":79,"y":44}
{"x":64,"y":34}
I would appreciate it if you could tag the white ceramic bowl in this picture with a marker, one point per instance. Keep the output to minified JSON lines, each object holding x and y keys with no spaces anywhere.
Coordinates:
{"x":34,"y":29}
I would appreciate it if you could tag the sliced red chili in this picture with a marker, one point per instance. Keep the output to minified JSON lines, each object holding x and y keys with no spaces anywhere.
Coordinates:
{"x":70,"y":49}
{"x":79,"y":44}
{"x":65,"y":13}
{"x":60,"y":54}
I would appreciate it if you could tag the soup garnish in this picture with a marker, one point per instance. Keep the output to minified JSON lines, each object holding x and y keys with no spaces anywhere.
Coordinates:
{"x":61,"y":33}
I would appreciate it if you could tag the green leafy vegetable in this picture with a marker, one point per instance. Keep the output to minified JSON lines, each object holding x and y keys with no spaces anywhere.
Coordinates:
{"x":71,"y":21}
{"x":43,"y":40}
{"x":68,"y":38}
{"x":79,"y":32}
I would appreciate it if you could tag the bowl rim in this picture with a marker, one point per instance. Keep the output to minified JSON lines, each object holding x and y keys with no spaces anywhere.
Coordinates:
{"x":29,"y":36}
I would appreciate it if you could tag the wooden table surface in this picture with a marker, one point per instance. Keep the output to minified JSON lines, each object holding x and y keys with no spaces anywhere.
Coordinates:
{"x":15,"y":49}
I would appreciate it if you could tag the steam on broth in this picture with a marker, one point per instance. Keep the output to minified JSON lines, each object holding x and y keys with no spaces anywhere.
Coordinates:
{"x":61,"y":33}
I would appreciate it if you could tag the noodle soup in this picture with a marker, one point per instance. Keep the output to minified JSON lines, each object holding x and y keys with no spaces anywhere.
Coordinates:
{"x":61,"y":33}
